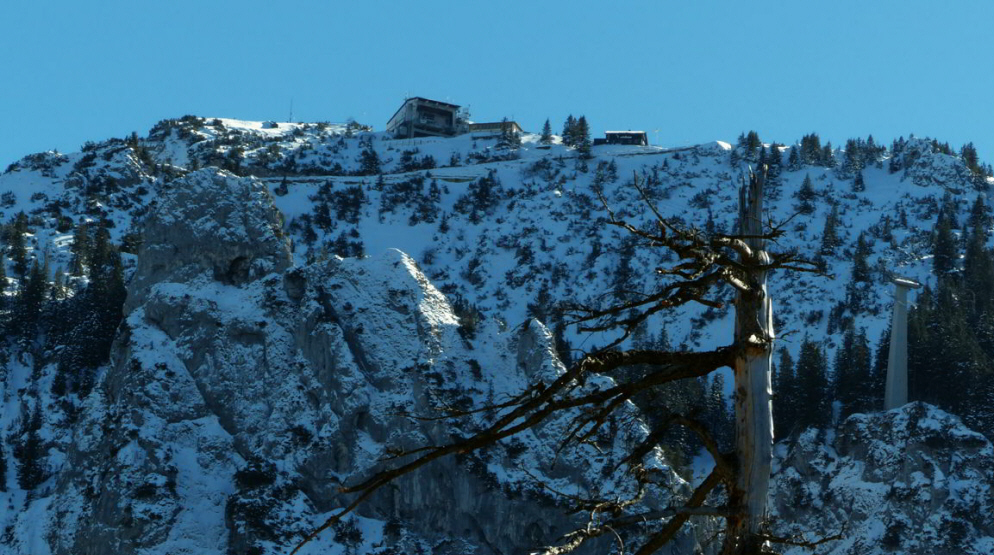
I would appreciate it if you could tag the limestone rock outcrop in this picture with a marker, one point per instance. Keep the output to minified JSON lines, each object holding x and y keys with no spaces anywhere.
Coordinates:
{"x":908,"y":480}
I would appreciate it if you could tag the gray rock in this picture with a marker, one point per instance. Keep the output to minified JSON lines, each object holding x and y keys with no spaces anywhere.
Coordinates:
{"x":909,"y":480}
{"x":245,"y":393}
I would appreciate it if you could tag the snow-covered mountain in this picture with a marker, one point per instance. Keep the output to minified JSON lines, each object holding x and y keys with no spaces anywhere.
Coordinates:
{"x":909,"y":480}
{"x":256,"y":370}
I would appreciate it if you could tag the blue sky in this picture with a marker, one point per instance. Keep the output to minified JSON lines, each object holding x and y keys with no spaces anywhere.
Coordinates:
{"x":695,"y":70}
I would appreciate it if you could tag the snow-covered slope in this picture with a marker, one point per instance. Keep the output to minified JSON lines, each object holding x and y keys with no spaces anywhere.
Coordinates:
{"x":243,"y":392}
{"x":256,"y":370}
{"x":909,"y":480}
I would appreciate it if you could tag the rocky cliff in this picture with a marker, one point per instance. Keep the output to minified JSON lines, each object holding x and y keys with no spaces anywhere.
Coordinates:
{"x":911,"y":480}
{"x":243,"y":391}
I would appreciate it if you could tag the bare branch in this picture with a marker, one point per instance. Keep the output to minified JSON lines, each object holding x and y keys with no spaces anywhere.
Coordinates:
{"x":673,"y":526}
{"x":802,"y":542}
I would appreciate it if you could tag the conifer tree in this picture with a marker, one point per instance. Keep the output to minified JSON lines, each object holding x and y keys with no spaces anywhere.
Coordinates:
{"x":17,"y":251}
{"x":785,"y":395}
{"x":509,"y":137}
{"x":774,"y":161}
{"x":569,"y":131}
{"x":980,"y":217}
{"x":752,"y":145}
{"x":861,"y":266}
{"x":811,"y":149}
{"x":858,"y":185}
{"x":793,"y":159}
{"x":30,"y":453}
{"x":719,"y":415}
{"x":968,"y":153}
{"x":944,"y":250}
{"x":813,"y":408}
{"x":853,"y":158}
{"x":29,"y":301}
{"x":806,"y":196}
{"x":830,"y":236}
{"x":858,"y":288}
{"x":582,"y":137}
{"x":921,"y":355}
{"x":369,"y":161}
{"x":546,"y":138}
{"x":853,"y":378}
{"x":978,"y":275}
{"x":828,"y":156}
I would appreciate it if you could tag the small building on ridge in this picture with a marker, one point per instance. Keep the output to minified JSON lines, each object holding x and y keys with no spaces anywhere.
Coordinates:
{"x":494,"y":129}
{"x":423,"y":117}
{"x":636,"y":138}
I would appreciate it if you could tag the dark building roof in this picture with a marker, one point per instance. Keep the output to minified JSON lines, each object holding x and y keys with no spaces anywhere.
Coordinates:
{"x":623,"y":138}
{"x":624,"y":133}
{"x":423,"y":99}
{"x":456,"y":106}
{"x":495,"y":126}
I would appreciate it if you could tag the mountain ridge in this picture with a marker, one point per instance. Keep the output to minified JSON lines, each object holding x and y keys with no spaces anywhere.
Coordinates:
{"x":500,"y":234}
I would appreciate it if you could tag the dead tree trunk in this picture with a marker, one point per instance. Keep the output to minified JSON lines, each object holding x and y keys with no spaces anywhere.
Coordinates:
{"x":753,"y":395}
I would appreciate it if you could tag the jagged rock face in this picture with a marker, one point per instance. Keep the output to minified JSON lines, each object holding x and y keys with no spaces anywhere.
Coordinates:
{"x":911,"y":480}
{"x":210,"y":222}
{"x":236,"y":406}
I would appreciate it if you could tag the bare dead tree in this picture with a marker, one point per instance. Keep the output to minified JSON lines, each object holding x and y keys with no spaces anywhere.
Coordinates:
{"x":707,"y":262}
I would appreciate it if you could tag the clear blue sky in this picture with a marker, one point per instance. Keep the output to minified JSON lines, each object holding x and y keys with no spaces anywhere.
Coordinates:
{"x":72,"y":71}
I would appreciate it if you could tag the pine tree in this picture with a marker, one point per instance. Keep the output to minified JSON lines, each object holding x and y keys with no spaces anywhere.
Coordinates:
{"x":853,"y":374}
{"x":752,"y":145}
{"x":858,"y":185}
{"x":980,"y":217}
{"x":29,"y":301}
{"x":978,"y":275}
{"x":806,"y":196}
{"x":785,"y":395}
{"x":774,"y":160}
{"x":91,"y":318}
{"x":860,"y":265}
{"x":17,"y":251}
{"x":858,"y":288}
{"x":80,"y":248}
{"x":509,"y":137}
{"x":569,"y":131}
{"x":970,"y":159}
{"x":719,"y":417}
{"x":813,"y":408}
{"x":546,"y":138}
{"x":369,"y":161}
{"x":582,"y":137}
{"x":828,"y":156}
{"x":853,"y":158}
{"x":878,"y":380}
{"x":811,"y":149}
{"x":830,"y":235}
{"x":944,"y":246}
{"x":30,"y":453}
{"x":793,"y":159}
